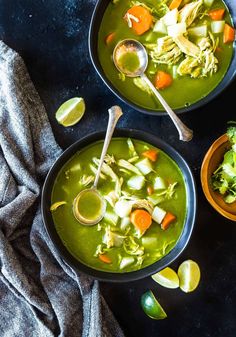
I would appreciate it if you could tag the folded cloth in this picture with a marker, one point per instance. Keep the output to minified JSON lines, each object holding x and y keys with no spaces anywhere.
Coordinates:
{"x":40,"y":295}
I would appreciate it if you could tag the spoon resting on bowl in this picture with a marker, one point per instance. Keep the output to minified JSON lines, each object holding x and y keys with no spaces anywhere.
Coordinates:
{"x":130,"y":58}
{"x":89,"y":206}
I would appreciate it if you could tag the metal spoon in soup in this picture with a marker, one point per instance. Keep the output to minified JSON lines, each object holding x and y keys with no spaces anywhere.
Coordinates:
{"x":130,"y":58}
{"x":89,"y":206}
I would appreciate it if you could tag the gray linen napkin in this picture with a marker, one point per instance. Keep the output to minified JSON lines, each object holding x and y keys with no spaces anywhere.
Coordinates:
{"x":40,"y":296}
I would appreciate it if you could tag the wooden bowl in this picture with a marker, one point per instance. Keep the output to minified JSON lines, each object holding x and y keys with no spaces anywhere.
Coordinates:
{"x":211,"y":161}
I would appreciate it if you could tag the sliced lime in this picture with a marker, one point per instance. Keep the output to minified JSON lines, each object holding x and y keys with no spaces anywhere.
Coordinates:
{"x":189,"y":276}
{"x":151,"y":306}
{"x":167,"y":278}
{"x":71,"y":111}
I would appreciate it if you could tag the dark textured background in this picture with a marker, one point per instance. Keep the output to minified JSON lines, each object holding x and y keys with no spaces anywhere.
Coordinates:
{"x":51,"y":36}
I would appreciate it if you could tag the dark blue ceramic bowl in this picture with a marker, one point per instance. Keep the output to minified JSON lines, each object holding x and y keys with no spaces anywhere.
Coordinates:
{"x":96,"y":19}
{"x":128,"y":276}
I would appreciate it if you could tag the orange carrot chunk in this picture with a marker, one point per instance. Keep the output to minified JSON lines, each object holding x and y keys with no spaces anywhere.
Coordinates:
{"x":141,"y":219}
{"x":228,"y":34}
{"x":217,"y":14}
{"x":151,"y":154}
{"x":104,"y":258}
{"x":139,"y":18}
{"x":162,"y":80}
{"x":174,"y":4}
{"x":168,"y":219}
{"x":109,"y":38}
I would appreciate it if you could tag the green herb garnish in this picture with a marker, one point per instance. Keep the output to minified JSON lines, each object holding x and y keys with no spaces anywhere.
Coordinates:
{"x":224,"y":177}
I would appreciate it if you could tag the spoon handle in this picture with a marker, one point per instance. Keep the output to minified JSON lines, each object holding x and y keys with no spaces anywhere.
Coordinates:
{"x":115,"y":113}
{"x":185,"y":133}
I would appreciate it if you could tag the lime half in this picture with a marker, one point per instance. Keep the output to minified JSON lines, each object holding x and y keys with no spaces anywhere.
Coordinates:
{"x":71,"y":111}
{"x":167,"y":278}
{"x":151,"y":306}
{"x":189,"y":276}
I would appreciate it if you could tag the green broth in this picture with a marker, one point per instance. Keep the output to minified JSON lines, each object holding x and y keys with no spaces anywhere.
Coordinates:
{"x":129,"y":61}
{"x":82,"y":241}
{"x":184,"y":90}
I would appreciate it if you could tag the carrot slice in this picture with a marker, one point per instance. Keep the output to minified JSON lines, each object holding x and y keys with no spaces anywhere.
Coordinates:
{"x":151,"y":154}
{"x":228,"y":34}
{"x":168,"y":219}
{"x":109,"y":38}
{"x":139,"y":18}
{"x":174,"y":4}
{"x":141,"y":219}
{"x":162,"y":80}
{"x":217,"y":14}
{"x":104,"y":258}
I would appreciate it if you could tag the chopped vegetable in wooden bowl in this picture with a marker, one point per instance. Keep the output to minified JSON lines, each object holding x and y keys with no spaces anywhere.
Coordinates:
{"x":218,"y":174}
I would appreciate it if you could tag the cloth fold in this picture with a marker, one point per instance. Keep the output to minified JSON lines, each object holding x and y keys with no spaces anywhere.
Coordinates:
{"x":40,"y":295}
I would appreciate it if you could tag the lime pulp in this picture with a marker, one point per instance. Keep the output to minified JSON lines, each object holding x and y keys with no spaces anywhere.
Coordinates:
{"x":189,"y":275}
{"x":71,"y":111}
{"x":167,"y":277}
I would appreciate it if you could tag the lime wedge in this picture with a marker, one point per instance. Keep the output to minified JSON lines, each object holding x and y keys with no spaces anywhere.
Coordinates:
{"x":189,"y":275}
{"x":71,"y":111}
{"x":151,"y":306}
{"x":167,"y":278}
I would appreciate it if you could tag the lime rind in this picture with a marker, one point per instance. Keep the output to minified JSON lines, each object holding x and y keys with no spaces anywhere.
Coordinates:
{"x":151,"y":306}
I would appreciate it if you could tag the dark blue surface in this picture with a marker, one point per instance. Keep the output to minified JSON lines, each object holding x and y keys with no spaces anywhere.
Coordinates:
{"x":52,"y":36}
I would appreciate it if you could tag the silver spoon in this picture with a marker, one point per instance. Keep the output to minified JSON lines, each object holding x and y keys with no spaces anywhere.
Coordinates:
{"x":91,"y":196}
{"x":135,"y":47}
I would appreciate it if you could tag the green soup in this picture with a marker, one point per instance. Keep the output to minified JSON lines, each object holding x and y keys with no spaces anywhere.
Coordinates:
{"x":185,"y":89}
{"x":129,"y":61}
{"x":130,"y":181}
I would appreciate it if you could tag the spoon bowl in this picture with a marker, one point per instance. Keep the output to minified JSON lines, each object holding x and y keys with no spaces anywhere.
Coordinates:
{"x":86,"y":200}
{"x":130,"y":58}
{"x":130,"y":47}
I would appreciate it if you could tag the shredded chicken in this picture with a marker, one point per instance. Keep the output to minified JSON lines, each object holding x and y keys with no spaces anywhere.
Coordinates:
{"x":125,"y":164}
{"x":203,"y":64}
{"x":112,"y":239}
{"x":111,"y":198}
{"x":138,"y":203}
{"x":186,"y":46}
{"x":143,"y":203}
{"x":129,"y":17}
{"x":86,"y":180}
{"x":106,"y":169}
{"x":165,"y":51}
{"x":109,"y":159}
{"x":189,"y":12}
